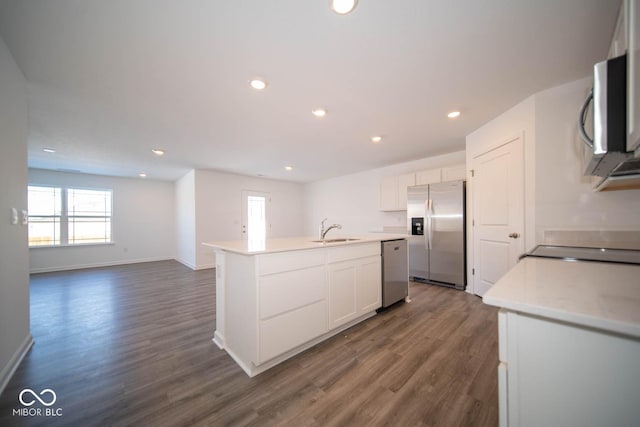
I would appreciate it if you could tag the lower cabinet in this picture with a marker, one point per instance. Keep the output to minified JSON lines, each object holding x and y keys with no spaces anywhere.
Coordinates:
{"x":281,"y":333}
{"x":354,"y":289}
{"x":553,"y":373}
{"x":275,"y":305}
{"x":292,"y":310}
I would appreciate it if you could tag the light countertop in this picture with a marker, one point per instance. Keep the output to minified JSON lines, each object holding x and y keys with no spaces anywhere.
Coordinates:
{"x":297,"y":243}
{"x":594,"y":294}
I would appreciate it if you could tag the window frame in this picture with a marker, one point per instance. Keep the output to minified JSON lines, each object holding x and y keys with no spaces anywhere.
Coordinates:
{"x":64,"y":216}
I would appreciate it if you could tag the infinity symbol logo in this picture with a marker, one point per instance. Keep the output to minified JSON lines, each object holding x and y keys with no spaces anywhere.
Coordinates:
{"x":36,"y":397}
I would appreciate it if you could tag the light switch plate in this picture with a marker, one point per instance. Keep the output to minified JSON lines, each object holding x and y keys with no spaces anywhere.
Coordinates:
{"x":14,"y":216}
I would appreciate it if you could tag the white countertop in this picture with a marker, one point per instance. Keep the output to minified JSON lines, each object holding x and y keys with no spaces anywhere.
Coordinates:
{"x":297,"y":243}
{"x":594,"y":294}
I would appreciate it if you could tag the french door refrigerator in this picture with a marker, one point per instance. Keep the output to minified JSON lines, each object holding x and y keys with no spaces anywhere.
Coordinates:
{"x":437,"y":233}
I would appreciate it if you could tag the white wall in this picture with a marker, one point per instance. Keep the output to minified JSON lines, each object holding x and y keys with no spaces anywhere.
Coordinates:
{"x":557,"y":195}
{"x":564,"y":199}
{"x":218,"y":198}
{"x":353,"y":200}
{"x":519,"y":120}
{"x":143,"y":223}
{"x":185,"y":208}
{"x":15,"y":338}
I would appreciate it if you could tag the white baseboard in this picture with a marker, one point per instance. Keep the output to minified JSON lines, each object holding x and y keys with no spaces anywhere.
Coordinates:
{"x":97,"y":264}
{"x":185,"y":263}
{"x":8,"y":371}
{"x":195,"y":267}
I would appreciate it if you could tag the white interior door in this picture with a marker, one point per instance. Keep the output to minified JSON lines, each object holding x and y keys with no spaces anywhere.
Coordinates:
{"x":256,"y":223}
{"x":498,"y":213}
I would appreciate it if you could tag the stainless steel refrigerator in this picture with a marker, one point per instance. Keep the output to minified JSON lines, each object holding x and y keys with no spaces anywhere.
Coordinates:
{"x":437,"y":233}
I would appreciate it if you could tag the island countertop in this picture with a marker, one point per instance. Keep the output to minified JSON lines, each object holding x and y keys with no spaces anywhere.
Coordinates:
{"x":298,"y":243}
{"x":599,"y":295}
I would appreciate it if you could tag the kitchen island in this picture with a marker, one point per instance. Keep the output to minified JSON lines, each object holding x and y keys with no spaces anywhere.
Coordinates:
{"x":278,"y":297}
{"x":569,"y":343}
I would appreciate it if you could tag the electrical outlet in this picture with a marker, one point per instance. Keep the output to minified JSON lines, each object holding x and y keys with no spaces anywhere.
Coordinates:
{"x":25,"y":217}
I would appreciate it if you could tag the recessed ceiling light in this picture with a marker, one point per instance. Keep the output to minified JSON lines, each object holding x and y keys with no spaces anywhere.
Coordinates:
{"x":453,"y":114}
{"x":342,"y":7}
{"x":48,"y":150}
{"x":158,"y":151}
{"x":142,"y":175}
{"x":319,"y":112}
{"x":258,"y":84}
{"x":376,"y":139}
{"x":288,"y":168}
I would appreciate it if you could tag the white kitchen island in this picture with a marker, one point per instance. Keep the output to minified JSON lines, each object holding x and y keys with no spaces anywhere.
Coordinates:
{"x":279,"y":297}
{"x":569,"y":343}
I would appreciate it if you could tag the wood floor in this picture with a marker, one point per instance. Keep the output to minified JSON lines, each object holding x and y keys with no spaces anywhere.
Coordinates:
{"x":131,"y":345}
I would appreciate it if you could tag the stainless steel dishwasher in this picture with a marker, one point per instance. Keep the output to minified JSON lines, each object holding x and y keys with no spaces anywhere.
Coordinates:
{"x":395,"y":271}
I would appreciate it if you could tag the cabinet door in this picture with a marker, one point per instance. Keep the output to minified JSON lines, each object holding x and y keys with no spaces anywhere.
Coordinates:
{"x":342,"y":293}
{"x":389,"y":193}
{"x":618,"y":44}
{"x":404,"y":181}
{"x":633,"y":77}
{"x":428,"y":177}
{"x":285,"y":332}
{"x":454,"y":173}
{"x":369,"y":286}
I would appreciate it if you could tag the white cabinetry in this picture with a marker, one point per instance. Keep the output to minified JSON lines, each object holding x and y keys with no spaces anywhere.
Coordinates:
{"x":272,"y":306}
{"x":354,"y":283}
{"x":393,"y":189}
{"x":454,"y":173}
{"x":292,"y":301}
{"x":393,"y":192}
{"x":292,"y":310}
{"x":556,"y":373}
{"x":433,"y":176}
{"x":626,"y":38}
{"x":633,"y":76}
{"x":618,"y":45}
{"x":429,"y":177}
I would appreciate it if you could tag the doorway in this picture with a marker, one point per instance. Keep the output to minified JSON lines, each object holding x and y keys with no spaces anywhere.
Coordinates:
{"x":498,"y":212}
{"x":256,"y":222}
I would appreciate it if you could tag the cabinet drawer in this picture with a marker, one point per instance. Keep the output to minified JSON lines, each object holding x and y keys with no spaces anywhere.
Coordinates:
{"x":283,"y":333}
{"x":287,"y":261}
{"x":286,"y":291}
{"x":343,"y":253}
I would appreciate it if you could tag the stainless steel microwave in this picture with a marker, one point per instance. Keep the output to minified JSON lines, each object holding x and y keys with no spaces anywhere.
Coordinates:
{"x":606,"y":153}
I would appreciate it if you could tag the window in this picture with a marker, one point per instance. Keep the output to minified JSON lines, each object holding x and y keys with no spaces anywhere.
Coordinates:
{"x":45,"y":212}
{"x":68,"y":216}
{"x":89,"y":216}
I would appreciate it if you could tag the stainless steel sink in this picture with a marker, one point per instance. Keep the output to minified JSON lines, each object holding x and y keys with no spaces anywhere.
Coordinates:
{"x":338,"y":240}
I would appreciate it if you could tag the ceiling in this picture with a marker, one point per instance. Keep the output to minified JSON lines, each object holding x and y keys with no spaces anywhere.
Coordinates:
{"x":110,"y":80}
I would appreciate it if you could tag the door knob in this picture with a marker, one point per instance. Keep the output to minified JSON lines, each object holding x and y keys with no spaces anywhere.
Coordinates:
{"x":513,"y":235}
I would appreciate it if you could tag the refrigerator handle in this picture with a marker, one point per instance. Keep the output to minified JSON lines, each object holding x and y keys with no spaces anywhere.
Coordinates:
{"x":429,"y":212}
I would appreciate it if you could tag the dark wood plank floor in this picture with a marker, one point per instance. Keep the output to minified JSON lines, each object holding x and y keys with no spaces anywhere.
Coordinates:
{"x":131,"y":345}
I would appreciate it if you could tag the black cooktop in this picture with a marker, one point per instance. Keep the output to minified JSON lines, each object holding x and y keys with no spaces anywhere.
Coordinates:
{"x":575,"y":253}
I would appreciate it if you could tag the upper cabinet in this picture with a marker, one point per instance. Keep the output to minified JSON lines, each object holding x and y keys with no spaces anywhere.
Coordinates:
{"x":429,"y":177}
{"x":632,"y":10}
{"x":619,"y":42}
{"x":393,"y":189}
{"x":454,"y":173}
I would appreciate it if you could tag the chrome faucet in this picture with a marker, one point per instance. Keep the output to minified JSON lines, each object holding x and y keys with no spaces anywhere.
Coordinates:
{"x":322,"y":232}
